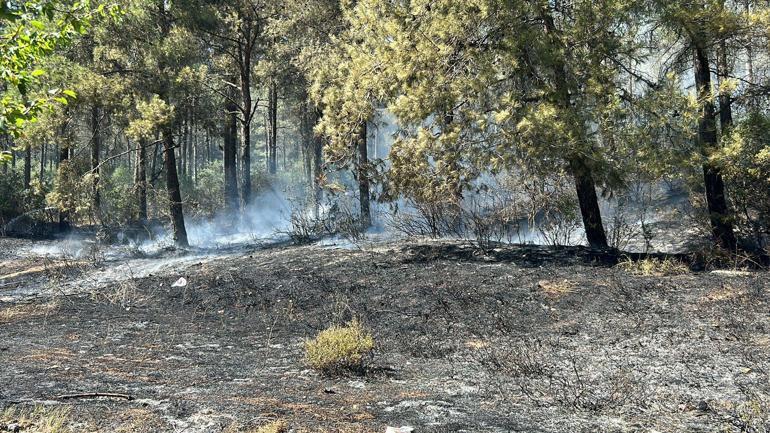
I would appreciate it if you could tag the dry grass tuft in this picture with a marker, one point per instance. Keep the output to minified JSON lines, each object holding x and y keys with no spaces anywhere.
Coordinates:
{"x":273,"y":427}
{"x":556,"y":289}
{"x":654,"y":267}
{"x":27,"y":311}
{"x":339,"y":348}
{"x":40,"y":419}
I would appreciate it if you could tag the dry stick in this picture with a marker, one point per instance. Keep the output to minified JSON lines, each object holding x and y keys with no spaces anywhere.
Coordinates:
{"x":93,"y":170}
{"x":95,"y":395}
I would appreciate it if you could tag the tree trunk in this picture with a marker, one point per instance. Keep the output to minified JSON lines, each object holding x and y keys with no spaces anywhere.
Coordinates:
{"x":363,"y":178}
{"x":189,"y":139}
{"x":185,"y":151}
{"x":96,"y":145}
{"x":27,"y":167}
{"x":154,"y":168}
{"x":589,"y":204}
{"x":141,"y":181}
{"x":174,"y":193}
{"x":307,"y":145}
{"x":41,"y":174}
{"x":246,"y":124}
{"x":6,"y":147}
{"x":229,"y":149}
{"x":719,"y":214}
{"x":266,"y":123}
{"x":272,"y":122}
{"x":194,"y":141}
{"x":584,"y":182}
{"x":317,"y":166}
{"x":64,"y":155}
{"x":180,"y":160}
{"x":725,"y":100}
{"x":246,"y":159}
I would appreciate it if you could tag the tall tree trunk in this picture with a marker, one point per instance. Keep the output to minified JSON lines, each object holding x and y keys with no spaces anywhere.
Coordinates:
{"x":750,"y":55}
{"x":27,"y":167}
{"x":141,"y":181}
{"x":308,"y":121}
{"x":64,"y":155}
{"x":96,"y":145}
{"x":246,"y":159}
{"x":585,"y":185}
{"x":174,"y":193}
{"x":306,"y":145}
{"x":266,"y":123}
{"x":194,"y":141}
{"x":185,"y":147}
{"x":6,"y":147}
{"x":180,"y":159}
{"x":207,"y":147}
{"x":719,"y":214}
{"x":589,"y":204}
{"x":363,"y":178}
{"x":229,"y":149}
{"x":41,"y":174}
{"x":272,"y":121}
{"x":155,"y":156}
{"x":246,"y":123}
{"x":189,"y":140}
{"x":317,"y":165}
{"x":725,"y":100}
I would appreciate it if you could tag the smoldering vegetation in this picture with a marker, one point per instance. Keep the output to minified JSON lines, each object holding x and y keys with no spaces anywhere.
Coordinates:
{"x":517,"y":338}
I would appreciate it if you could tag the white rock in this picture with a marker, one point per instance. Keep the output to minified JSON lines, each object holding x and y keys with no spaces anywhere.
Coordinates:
{"x":404,"y":429}
{"x":356,"y":384}
{"x":181,"y":282}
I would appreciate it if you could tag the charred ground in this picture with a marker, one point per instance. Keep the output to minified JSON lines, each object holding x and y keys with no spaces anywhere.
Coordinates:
{"x":518,"y":339}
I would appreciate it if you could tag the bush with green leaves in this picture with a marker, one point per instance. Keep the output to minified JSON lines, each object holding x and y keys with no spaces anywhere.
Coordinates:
{"x":745,"y":163}
{"x":207,"y":194}
{"x":119,"y":204}
{"x":17,"y":200}
{"x":73,"y":192}
{"x":11,"y":189}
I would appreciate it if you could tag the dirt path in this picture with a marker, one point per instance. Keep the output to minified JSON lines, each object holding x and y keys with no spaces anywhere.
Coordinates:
{"x":529,"y":340}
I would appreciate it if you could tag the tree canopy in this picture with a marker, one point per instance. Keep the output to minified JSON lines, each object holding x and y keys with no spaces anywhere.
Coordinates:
{"x":590,"y":99}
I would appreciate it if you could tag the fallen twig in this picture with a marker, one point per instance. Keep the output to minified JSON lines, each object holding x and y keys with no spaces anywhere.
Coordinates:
{"x":95,"y":395}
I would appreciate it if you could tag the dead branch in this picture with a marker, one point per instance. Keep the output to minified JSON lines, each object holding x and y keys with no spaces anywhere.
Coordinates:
{"x":95,"y":395}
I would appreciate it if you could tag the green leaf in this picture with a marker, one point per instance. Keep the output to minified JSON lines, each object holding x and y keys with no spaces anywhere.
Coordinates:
{"x":38,"y":72}
{"x":70,"y":93}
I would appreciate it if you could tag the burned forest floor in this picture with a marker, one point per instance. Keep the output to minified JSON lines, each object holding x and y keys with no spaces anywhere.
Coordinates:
{"x":525,"y":339}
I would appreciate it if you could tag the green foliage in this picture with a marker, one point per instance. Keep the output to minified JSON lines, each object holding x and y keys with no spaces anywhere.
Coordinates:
{"x":17,"y":200}
{"x":30,"y":31}
{"x":208,"y":191}
{"x":454,"y":75}
{"x":12,"y":192}
{"x":73,"y":193}
{"x":339,"y":348}
{"x":153,"y":115}
{"x":745,"y":162}
{"x":119,"y":205}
